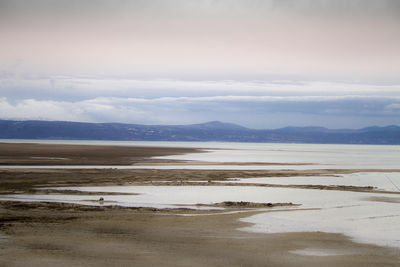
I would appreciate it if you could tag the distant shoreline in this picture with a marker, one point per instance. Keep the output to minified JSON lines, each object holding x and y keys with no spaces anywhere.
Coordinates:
{"x":214,"y":131}
{"x":179,"y":144}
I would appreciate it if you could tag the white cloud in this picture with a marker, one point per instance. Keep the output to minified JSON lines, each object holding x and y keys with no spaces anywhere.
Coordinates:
{"x":80,"y":88}
{"x":244,"y":98}
{"x":47,"y":110}
{"x":251,"y":111}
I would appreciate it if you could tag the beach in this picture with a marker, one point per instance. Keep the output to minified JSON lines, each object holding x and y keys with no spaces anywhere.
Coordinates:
{"x":175,"y":231}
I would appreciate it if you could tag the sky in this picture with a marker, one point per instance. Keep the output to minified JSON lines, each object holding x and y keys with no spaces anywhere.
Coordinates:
{"x":261,"y":64}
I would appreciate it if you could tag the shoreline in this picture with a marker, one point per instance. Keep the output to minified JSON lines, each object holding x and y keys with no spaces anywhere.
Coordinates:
{"x":64,"y":154}
{"x":20,"y":181}
{"x":84,"y":235}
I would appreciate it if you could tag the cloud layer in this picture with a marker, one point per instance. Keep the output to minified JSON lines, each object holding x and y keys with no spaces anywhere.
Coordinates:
{"x":320,"y":39}
{"x":251,"y":111}
{"x":263,"y":64}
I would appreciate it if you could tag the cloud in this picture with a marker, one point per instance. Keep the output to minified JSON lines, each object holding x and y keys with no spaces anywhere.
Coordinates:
{"x":258,"y":63}
{"x":251,"y":111}
{"x":252,"y":103}
{"x":231,"y":98}
{"x":351,"y":39}
{"x":47,"y":110}
{"x":394,"y":106}
{"x":103,"y":7}
{"x":79,"y":88}
{"x":86,"y":111}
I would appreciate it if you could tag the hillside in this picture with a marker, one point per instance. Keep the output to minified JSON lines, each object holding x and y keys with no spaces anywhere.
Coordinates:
{"x":210,"y":131}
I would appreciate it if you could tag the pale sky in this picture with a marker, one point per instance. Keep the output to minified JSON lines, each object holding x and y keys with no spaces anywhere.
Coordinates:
{"x":261,"y":64}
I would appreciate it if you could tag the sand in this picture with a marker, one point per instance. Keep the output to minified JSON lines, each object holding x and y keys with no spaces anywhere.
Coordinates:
{"x":68,"y":235}
{"x":57,"y":234}
{"x":51,"y":154}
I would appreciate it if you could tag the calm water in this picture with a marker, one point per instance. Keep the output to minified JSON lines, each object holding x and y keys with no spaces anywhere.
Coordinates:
{"x":352,"y":213}
{"x":388,"y":181}
{"x":323,"y":156}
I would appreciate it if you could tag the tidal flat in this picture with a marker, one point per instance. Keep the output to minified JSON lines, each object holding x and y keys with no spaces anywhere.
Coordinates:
{"x":197,"y":217}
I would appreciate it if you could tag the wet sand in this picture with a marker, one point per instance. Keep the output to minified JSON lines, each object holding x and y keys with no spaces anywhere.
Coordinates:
{"x":27,"y":181}
{"x":50,"y":154}
{"x":67,"y":155}
{"x":69,"y":235}
{"x":57,"y":234}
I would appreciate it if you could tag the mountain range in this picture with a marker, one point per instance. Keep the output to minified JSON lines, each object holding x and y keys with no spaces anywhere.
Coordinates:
{"x":210,"y":131}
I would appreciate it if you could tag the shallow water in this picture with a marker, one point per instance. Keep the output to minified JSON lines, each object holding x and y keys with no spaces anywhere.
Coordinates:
{"x":191,"y":195}
{"x":162,"y":167}
{"x":350,"y":213}
{"x":322,"y":156}
{"x":321,"y":252}
{"x":379,"y":180}
{"x":203,"y":167}
{"x":373,"y":222}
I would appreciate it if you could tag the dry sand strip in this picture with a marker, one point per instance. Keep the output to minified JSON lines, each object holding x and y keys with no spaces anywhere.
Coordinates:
{"x":55,"y":234}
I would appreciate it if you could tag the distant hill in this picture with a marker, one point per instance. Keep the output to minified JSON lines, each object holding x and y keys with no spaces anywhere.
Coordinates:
{"x":210,"y":131}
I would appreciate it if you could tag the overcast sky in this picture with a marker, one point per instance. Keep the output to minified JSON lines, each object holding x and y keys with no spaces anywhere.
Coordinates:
{"x":261,"y":64}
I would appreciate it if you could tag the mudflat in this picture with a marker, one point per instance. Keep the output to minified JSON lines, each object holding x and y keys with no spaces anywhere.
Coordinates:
{"x":29,"y":180}
{"x":54,"y":234}
{"x":60,"y":234}
{"x":52,"y":154}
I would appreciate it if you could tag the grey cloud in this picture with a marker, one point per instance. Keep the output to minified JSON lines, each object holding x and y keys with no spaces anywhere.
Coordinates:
{"x":166,"y":38}
{"x":394,"y":106}
{"x":262,"y":100}
{"x":269,"y":112}
{"x":110,"y":8}
{"x":338,"y":7}
{"x":81,"y":88}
